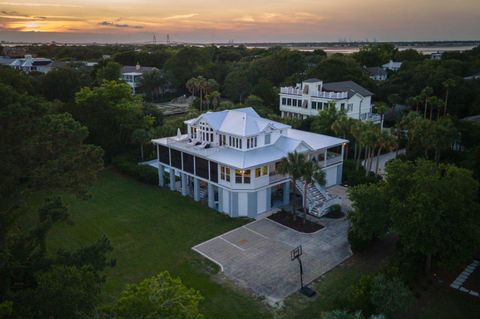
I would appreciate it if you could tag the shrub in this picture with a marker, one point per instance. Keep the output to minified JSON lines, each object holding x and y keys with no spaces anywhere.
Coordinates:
{"x":352,"y":176}
{"x":357,"y":243}
{"x":143,"y":173}
{"x":335,"y":209}
{"x":389,"y":295}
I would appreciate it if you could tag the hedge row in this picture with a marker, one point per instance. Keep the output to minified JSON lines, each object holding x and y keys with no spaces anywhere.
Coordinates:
{"x":143,"y":173}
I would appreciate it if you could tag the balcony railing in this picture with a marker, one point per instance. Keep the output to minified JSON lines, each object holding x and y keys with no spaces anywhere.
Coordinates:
{"x":332,"y":158}
{"x":325,"y":95}
{"x":374,"y":117}
{"x":184,"y":145}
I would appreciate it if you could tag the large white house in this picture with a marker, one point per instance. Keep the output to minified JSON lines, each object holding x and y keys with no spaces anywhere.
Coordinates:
{"x":30,"y":64}
{"x":133,"y":75}
{"x":231,"y":160}
{"x":392,"y":66}
{"x":312,"y":96}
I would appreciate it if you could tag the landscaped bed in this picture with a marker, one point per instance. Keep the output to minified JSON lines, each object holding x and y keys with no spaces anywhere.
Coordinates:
{"x":286,"y":218}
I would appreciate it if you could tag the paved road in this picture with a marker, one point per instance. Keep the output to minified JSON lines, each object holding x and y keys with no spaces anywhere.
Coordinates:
{"x":384,"y":158}
{"x":257,"y":255}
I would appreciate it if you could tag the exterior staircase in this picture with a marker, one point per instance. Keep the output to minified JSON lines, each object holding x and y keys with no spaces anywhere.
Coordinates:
{"x":318,"y":199}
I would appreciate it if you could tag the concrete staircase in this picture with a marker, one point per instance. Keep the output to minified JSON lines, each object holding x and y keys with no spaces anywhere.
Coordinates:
{"x":318,"y":199}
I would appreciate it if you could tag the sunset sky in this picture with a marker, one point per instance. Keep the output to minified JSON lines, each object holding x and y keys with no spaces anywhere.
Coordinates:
{"x":244,"y":20}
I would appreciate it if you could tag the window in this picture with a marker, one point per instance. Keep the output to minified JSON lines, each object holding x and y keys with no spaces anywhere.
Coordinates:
{"x":242,"y":176}
{"x":251,"y":142}
{"x":225,"y":173}
{"x":289,"y":102}
{"x":193,"y":132}
{"x":246,"y":176}
{"x":342,"y":106}
{"x":314,"y":105}
{"x":264,"y":170}
{"x":284,"y":101}
{"x":261,"y":171}
{"x":350,"y":107}
{"x":238,"y":176}
{"x":267,"y":138}
{"x":294,"y":102}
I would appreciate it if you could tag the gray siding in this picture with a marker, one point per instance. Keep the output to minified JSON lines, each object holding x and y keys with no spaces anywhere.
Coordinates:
{"x":252,"y":204}
{"x":234,"y":205}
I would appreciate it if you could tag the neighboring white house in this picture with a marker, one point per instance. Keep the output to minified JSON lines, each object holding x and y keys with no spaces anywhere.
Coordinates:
{"x":30,"y":64}
{"x":133,"y":75}
{"x":436,"y":55}
{"x":312,"y":96}
{"x":475,"y":76}
{"x":392,"y":66}
{"x":377,"y":73}
{"x":231,"y":160}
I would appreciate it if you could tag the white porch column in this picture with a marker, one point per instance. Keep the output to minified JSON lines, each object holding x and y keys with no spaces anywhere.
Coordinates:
{"x":196,"y":189}
{"x":211,"y":196}
{"x":325,"y":158}
{"x":161,"y":177}
{"x":184,"y":184}
{"x":172,"y":179}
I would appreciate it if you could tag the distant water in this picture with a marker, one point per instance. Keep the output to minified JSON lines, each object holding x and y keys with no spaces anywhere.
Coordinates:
{"x":349,"y":50}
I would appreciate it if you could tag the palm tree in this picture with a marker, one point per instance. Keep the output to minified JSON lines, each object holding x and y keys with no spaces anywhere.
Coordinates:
{"x":201,"y":86}
{"x":192,"y":86}
{"x":311,"y":173}
{"x":387,"y":142}
{"x":435,"y":103}
{"x":342,"y":126}
{"x":381,"y":108}
{"x":426,"y":93}
{"x":357,"y":131}
{"x":141,"y":136}
{"x":447,"y":84}
{"x":292,"y":165}
{"x":214,"y":99}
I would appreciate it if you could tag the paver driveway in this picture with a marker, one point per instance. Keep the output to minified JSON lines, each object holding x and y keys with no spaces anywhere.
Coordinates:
{"x":257,"y":255}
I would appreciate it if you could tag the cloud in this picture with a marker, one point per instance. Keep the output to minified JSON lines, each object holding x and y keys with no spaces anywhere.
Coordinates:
{"x":35,"y":4}
{"x":119,"y":25}
{"x":181,"y":16}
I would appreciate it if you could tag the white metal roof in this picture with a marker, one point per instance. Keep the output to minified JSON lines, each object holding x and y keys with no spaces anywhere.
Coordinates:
{"x":239,"y":122}
{"x":295,"y":140}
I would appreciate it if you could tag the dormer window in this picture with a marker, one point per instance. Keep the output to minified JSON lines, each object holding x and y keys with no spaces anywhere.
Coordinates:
{"x":251,"y":142}
{"x":267,"y":138}
{"x":305,"y":89}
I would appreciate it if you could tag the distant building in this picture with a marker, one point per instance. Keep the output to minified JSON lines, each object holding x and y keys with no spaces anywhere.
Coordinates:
{"x":30,"y":64}
{"x":312,"y":96}
{"x":133,"y":75}
{"x":377,"y":73}
{"x":436,"y":55}
{"x":475,"y":76}
{"x":392,"y":66}
{"x":5,"y":60}
{"x":230,"y":159}
{"x":14,"y":52}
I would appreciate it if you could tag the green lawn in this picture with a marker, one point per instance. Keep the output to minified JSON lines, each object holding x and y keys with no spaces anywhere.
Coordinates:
{"x":152,"y":230}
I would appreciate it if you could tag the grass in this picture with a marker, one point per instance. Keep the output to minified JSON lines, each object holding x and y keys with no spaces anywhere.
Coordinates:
{"x":152,"y":230}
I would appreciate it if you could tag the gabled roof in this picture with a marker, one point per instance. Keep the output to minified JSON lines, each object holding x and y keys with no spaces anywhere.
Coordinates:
{"x":141,"y":69}
{"x":315,"y":141}
{"x":312,"y":80}
{"x":376,"y":70}
{"x":239,"y":122}
{"x":6,"y":60}
{"x":347,"y":86}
